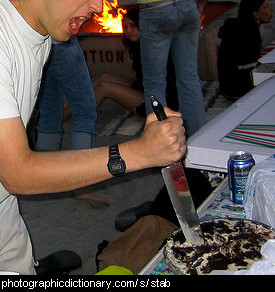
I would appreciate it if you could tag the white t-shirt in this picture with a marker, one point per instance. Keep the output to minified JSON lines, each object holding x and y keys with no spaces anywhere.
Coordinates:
{"x":23,"y":52}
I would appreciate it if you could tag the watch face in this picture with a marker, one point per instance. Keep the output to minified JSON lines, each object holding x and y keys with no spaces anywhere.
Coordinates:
{"x":116,"y":166}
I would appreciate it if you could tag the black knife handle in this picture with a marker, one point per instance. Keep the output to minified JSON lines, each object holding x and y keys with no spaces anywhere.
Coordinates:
{"x":158,"y":109}
{"x":161,"y":115}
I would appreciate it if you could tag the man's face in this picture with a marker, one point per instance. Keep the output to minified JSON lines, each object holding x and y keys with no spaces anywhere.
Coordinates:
{"x":67,"y":16}
{"x":59,"y":18}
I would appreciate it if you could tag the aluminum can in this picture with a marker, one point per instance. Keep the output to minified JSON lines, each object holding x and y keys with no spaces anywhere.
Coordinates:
{"x":238,"y":166}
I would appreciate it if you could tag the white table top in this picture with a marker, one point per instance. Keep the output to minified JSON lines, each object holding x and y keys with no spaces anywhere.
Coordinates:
{"x":248,"y":125}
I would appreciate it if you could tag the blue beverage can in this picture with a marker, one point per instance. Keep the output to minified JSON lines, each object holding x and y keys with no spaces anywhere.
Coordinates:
{"x":238,"y":166}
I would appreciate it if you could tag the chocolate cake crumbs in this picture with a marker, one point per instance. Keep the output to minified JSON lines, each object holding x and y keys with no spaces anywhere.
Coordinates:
{"x":229,"y":245}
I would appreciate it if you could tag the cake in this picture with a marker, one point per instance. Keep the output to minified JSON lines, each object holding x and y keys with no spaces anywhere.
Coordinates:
{"x":228,"y":245}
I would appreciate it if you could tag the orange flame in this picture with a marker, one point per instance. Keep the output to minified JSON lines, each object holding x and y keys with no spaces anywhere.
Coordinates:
{"x":111,"y":17}
{"x":203,"y":18}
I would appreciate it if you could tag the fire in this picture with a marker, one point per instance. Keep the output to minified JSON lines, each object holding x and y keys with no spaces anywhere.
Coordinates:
{"x":203,"y":18}
{"x":111,"y":17}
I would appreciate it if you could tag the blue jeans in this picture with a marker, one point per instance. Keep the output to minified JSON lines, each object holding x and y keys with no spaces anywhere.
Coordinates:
{"x":172,"y":25}
{"x":66,"y":74}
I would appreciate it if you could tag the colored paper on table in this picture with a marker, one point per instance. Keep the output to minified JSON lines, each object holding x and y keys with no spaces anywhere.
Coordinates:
{"x":257,"y":129}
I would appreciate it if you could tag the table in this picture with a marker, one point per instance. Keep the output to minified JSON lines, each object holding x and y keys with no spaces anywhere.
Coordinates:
{"x":217,"y":205}
{"x":248,"y":125}
{"x":265,"y":67}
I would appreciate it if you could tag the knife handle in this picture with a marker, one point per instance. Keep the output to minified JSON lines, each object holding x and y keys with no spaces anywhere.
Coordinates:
{"x":161,"y":115}
{"x":158,"y":109}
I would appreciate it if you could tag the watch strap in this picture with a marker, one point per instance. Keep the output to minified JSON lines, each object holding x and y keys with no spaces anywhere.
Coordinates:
{"x":113,"y":151}
{"x":116,"y":165}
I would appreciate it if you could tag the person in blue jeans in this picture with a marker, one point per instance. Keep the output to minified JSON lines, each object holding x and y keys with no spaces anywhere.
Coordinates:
{"x":66,"y":75}
{"x":172,"y":25}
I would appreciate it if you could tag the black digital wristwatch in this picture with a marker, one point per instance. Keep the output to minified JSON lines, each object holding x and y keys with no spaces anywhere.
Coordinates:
{"x":116,"y":165}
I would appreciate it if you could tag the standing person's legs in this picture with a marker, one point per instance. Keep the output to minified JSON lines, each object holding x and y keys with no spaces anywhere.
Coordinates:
{"x":156,"y":30}
{"x":50,"y":103}
{"x":77,"y":86}
{"x":185,"y":56}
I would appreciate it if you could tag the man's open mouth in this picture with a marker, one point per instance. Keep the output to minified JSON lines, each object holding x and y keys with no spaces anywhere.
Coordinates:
{"x":76,"y":23}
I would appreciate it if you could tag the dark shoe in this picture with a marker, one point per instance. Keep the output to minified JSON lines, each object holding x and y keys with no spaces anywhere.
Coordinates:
{"x":128,"y":217}
{"x":58,"y":263}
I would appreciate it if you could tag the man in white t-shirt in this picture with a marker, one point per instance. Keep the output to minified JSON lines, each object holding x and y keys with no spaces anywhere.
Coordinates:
{"x":24,"y":48}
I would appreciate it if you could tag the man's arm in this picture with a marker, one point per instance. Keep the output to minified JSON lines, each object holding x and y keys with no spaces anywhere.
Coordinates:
{"x":23,"y":171}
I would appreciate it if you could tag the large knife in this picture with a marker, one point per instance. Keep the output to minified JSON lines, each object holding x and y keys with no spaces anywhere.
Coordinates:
{"x":179,"y":192}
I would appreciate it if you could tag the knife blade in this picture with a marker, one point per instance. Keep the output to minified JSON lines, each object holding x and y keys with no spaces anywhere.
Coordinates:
{"x":179,"y":192}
